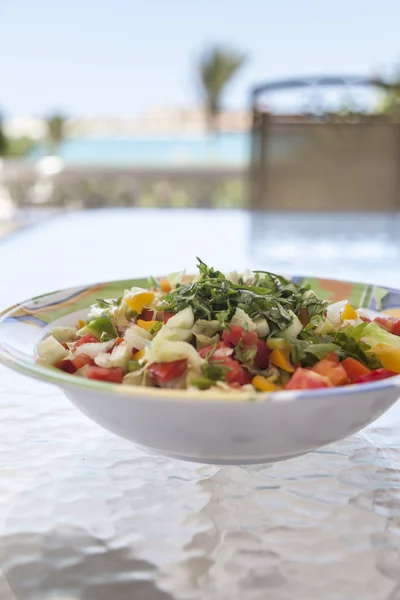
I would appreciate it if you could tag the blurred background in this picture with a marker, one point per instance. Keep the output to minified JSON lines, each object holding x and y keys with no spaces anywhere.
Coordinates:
{"x":286,"y":111}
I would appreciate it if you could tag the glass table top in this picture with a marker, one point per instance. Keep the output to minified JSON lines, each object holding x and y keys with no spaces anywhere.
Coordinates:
{"x":88,"y":516}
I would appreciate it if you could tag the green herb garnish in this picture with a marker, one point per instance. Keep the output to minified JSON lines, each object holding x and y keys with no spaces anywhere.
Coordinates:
{"x":214,"y":297}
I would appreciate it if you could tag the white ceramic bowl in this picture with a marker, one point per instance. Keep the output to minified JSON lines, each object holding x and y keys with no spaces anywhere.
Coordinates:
{"x":205,"y":427}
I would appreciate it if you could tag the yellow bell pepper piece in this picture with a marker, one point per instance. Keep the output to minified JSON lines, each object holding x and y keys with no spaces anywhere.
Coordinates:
{"x":264,"y":385}
{"x":389,"y":357}
{"x":280,"y":358}
{"x":146,"y":325}
{"x":348,"y":313}
{"x":81,"y":324}
{"x":138,"y":355}
{"x":138,"y":301}
{"x":165,"y":285}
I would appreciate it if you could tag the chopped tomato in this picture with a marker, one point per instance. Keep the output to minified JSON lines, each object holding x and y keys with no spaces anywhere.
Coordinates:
{"x":376,"y":375}
{"x":390,"y":324}
{"x":147,"y":315}
{"x":333,"y":370}
{"x":261,"y":360}
{"x":167,"y":315}
{"x":354,"y":369}
{"x":219,"y":351}
{"x":88,"y":338}
{"x":235,"y":334}
{"x":305,"y":379}
{"x":365,"y":319}
{"x":333,"y":357}
{"x":66,"y":365}
{"x":385,"y":323}
{"x":236,"y":374}
{"x":80,"y":360}
{"x":166,"y":371}
{"x":113,"y":375}
{"x":222,"y":354}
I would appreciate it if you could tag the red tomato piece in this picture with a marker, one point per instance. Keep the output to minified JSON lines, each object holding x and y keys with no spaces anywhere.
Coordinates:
{"x":163,"y":372}
{"x":88,"y":338}
{"x":236,"y":375}
{"x":80,"y":360}
{"x":235,"y":334}
{"x":332,"y":357}
{"x":376,"y":375}
{"x":396,"y":327}
{"x":354,"y":369}
{"x":147,"y":315}
{"x":385,"y":323}
{"x":167,"y":315}
{"x":218,"y":352}
{"x":332,"y":369}
{"x":113,"y":375}
{"x":261,"y":360}
{"x":365,"y":319}
{"x":305,"y":379}
{"x":67,"y":366}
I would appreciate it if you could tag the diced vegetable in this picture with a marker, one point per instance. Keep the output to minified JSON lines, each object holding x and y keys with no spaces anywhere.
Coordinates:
{"x":184,"y":319}
{"x":279,"y":343}
{"x":113,"y":375}
{"x":294,"y":328}
{"x":93,"y":349}
{"x":264,"y":385}
{"x":372,"y":334}
{"x":348,"y":313}
{"x":280,"y":358}
{"x":305,"y":379}
{"x":101,"y":328}
{"x":64,"y":334}
{"x":86,"y":339}
{"x":163,"y":372}
{"x":146,"y":325}
{"x":139,"y":300}
{"x":51,"y":350}
{"x":138,"y":355}
{"x":66,"y":365}
{"x":389,"y":357}
{"x":332,"y":369}
{"x":261,"y":359}
{"x":242,"y":319}
{"x":376,"y":375}
{"x":81,"y":360}
{"x":354,"y":368}
{"x":165,"y":285}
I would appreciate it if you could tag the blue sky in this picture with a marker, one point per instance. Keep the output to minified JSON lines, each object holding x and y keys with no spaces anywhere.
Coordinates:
{"x":122,"y":57}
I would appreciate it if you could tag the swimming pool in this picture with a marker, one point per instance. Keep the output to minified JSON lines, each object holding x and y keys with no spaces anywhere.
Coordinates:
{"x":223,"y":149}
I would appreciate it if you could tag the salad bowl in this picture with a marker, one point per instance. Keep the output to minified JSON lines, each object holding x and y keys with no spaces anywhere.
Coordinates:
{"x":211,"y":426}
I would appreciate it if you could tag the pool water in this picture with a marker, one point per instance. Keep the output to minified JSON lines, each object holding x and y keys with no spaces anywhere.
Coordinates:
{"x":223,"y":149}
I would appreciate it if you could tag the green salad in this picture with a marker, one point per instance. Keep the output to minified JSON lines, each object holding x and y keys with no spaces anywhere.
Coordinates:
{"x":243,"y":332}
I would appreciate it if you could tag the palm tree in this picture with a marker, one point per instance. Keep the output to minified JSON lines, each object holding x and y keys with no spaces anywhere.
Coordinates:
{"x":55,"y":132}
{"x":217,"y":66}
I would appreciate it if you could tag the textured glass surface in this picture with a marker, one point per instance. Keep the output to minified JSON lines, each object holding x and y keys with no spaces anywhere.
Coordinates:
{"x":85,"y":515}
